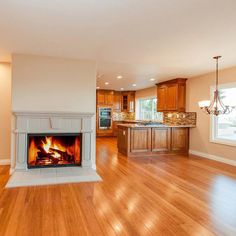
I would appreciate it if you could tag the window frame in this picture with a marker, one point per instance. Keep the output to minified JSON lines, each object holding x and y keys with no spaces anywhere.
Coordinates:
{"x":139,"y":106}
{"x":214,"y":119}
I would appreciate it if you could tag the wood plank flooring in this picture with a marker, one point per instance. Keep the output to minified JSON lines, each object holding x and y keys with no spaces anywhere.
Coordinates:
{"x":165,"y":195}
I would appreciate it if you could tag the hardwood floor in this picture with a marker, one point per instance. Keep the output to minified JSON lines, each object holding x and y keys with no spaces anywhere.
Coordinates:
{"x":165,"y":195}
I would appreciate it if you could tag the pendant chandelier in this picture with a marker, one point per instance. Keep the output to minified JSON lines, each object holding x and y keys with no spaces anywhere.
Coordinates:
{"x":216,"y":106}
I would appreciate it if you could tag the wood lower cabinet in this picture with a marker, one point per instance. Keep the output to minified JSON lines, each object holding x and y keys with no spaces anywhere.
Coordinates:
{"x":146,"y":141}
{"x":161,"y":139}
{"x":180,"y":139}
{"x":115,"y":127}
{"x":140,"y":140}
{"x":123,"y":137}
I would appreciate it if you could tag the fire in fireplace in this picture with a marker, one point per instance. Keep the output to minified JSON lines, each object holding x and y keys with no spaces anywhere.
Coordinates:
{"x":54,"y":150}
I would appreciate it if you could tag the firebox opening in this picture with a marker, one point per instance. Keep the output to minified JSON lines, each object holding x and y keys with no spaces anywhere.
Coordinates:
{"x":54,"y":150}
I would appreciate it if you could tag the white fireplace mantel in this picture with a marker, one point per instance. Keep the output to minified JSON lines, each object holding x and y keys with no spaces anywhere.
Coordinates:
{"x":25,"y":122}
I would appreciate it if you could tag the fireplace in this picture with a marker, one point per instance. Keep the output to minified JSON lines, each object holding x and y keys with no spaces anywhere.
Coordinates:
{"x":54,"y":150}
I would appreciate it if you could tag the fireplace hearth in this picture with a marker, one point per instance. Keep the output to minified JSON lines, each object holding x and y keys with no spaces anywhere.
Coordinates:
{"x":54,"y":150}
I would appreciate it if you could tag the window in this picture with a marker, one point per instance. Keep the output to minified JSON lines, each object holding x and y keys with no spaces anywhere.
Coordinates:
{"x":148,"y":109}
{"x":223,"y":128}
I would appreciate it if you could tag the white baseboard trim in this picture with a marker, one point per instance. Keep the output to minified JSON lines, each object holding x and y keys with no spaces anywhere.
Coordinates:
{"x":213,"y":157}
{"x":5,"y":162}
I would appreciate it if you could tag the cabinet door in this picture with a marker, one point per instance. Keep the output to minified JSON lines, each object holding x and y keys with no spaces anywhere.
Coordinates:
{"x":124,"y":102}
{"x":161,"y":98}
{"x":117,"y":101}
{"x":172,"y":97}
{"x":109,"y":98}
{"x":179,"y":139}
{"x":140,"y":140}
{"x":100,"y":98}
{"x":131,"y":102}
{"x":161,"y":138}
{"x":181,"y":97}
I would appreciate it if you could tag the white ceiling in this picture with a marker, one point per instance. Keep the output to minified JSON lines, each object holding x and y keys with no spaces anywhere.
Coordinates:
{"x":137,"y":39}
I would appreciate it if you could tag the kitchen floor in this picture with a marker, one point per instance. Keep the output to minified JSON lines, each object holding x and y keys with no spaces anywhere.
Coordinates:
{"x":165,"y":195}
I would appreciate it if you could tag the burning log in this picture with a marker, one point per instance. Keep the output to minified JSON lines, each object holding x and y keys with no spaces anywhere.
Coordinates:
{"x":43,"y":154}
{"x":63,"y":154}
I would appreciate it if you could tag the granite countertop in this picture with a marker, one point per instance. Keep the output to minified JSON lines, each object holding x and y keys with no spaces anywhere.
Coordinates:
{"x":128,"y":121}
{"x":154,"y":126}
{"x":136,"y":121}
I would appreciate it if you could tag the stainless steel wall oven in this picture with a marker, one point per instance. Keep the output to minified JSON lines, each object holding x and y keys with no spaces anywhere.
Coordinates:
{"x":104,"y":118}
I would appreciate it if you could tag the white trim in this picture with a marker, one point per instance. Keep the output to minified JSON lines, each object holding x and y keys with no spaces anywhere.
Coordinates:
{"x":213,"y":119}
{"x":5,"y":162}
{"x":213,"y":157}
{"x":68,"y":114}
{"x":223,"y":141}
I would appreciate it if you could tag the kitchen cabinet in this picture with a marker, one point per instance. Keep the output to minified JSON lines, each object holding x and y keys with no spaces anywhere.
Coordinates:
{"x":131,"y":102}
{"x":161,"y":139}
{"x":171,"y":95}
{"x":148,"y":141}
{"x":105,"y":97}
{"x":117,"y":101}
{"x":115,"y":127}
{"x":141,"y":140}
{"x":179,"y":139}
{"x":128,"y":101}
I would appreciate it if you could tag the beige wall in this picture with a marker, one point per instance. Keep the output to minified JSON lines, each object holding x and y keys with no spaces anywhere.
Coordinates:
{"x":51,"y":84}
{"x":5,"y":111}
{"x":198,"y":89}
{"x":41,"y":83}
{"x":145,"y":93}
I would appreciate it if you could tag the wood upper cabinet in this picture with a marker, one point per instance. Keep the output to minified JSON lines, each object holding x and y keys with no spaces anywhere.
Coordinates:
{"x":117,"y":101}
{"x":109,"y":98}
{"x":171,"y":95}
{"x":105,"y":97}
{"x":128,"y":101}
{"x":100,"y":97}
{"x":131,"y":106}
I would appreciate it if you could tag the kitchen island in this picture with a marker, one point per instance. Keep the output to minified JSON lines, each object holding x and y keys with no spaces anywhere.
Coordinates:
{"x":152,"y":139}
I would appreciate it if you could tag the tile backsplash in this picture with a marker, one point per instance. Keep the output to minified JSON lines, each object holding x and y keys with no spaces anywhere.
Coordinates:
{"x":180,"y":118}
{"x":171,"y":118}
{"x":123,"y":116}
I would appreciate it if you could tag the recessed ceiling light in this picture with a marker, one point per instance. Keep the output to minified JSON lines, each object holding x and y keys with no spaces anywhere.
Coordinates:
{"x":106,"y":83}
{"x":98,"y":87}
{"x":152,"y":79}
{"x":134,"y":85}
{"x":121,"y":88}
{"x":119,"y":77}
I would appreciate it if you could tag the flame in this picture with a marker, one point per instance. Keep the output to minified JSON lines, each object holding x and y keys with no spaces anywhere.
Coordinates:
{"x":53,"y":144}
{"x":33,"y":151}
{"x":47,"y":144}
{"x":56,"y":149}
